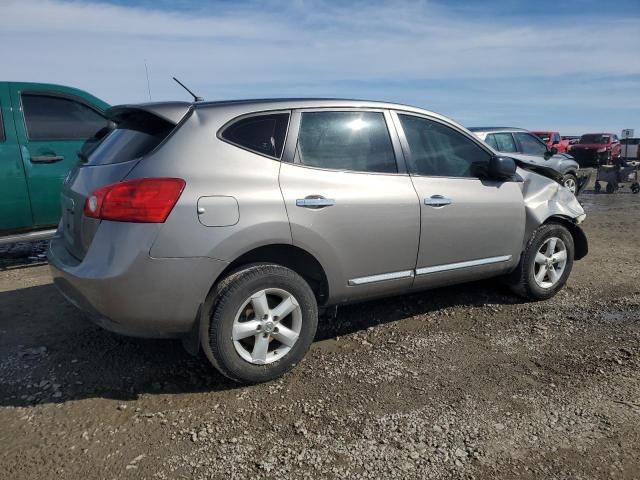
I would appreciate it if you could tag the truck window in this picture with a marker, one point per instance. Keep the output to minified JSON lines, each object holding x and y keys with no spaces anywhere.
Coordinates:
{"x":57,"y":118}
{"x":1,"y":126}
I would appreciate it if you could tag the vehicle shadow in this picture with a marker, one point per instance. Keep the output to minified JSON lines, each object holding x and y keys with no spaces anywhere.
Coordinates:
{"x":49,"y":353}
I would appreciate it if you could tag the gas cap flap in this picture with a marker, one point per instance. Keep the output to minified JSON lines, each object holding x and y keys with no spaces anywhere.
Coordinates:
{"x":218,"y":211}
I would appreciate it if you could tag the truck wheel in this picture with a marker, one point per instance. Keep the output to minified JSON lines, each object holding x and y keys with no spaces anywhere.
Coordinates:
{"x":610,"y":188}
{"x":598,"y":187}
{"x":545,"y":263}
{"x":635,"y":188}
{"x":571,"y":182}
{"x":263,"y":321}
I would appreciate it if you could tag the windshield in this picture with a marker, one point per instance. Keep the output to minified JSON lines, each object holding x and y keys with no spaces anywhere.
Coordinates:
{"x":544,"y":136}
{"x":594,"y":138}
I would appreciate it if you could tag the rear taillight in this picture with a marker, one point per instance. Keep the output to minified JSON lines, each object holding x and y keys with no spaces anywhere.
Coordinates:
{"x":145,"y":200}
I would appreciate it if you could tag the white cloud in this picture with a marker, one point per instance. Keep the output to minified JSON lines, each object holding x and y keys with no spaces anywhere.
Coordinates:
{"x":265,"y":49}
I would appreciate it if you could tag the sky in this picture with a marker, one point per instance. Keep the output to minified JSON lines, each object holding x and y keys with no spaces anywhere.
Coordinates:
{"x":561,"y":65}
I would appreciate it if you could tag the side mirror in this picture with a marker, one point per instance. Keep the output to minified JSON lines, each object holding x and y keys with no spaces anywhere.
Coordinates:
{"x":550,"y":153}
{"x":502,"y":168}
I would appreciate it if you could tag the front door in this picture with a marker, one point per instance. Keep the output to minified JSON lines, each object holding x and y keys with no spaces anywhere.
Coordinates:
{"x":471,"y":227}
{"x":51,"y":129}
{"x":15,"y":210}
{"x":349,"y":203}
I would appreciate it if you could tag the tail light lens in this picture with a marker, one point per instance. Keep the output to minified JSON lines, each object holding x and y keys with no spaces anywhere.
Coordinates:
{"x":145,"y":200}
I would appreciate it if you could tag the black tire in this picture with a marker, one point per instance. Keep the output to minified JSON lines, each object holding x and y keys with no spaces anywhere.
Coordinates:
{"x":635,"y":188}
{"x":522,"y":281}
{"x":598,"y":187}
{"x":571,"y":182}
{"x":230,"y":295}
{"x":610,"y":188}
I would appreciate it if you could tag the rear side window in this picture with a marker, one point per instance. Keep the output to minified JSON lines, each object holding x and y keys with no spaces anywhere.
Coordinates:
{"x":355,"y":141}
{"x":503,"y":142}
{"x":264,"y":134}
{"x":136,"y":136}
{"x":440,"y":151}
{"x":57,"y":118}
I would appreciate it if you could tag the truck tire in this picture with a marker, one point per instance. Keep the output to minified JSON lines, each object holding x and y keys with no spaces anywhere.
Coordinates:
{"x":262,"y":323}
{"x":545,"y":264}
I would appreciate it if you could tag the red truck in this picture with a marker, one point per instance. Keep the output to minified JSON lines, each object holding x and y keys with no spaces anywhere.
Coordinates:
{"x":595,"y":149}
{"x":553,"y":139}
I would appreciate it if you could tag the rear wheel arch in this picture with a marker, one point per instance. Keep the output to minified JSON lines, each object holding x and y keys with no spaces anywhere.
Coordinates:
{"x":287,"y":255}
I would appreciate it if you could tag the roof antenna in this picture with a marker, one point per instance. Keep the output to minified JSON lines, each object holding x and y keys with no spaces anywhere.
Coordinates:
{"x":146,"y":69}
{"x":195,"y":97}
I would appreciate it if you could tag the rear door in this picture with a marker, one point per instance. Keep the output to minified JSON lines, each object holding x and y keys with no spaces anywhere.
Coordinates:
{"x":15,"y":209}
{"x":471,"y":227}
{"x":350,"y":201}
{"x":51,"y":128}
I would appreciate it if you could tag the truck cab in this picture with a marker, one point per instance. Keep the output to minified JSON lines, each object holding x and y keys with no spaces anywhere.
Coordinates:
{"x":553,"y":139}
{"x":42,"y":129}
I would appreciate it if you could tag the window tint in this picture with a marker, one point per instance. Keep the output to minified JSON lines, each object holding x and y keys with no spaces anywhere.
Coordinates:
{"x":1,"y":126}
{"x":260,"y":133}
{"x":504,"y":142}
{"x":556,"y":137}
{"x":136,"y":136}
{"x":530,"y":144}
{"x":440,"y":151}
{"x":56,"y":118}
{"x":357,"y":141}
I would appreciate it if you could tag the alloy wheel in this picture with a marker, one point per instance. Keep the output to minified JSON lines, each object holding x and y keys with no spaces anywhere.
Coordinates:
{"x":570,"y":183}
{"x":267,"y":326}
{"x":550,"y":262}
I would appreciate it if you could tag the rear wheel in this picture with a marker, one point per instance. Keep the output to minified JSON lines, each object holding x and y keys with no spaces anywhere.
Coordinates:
{"x":610,"y":188}
{"x":598,"y":187}
{"x":263,"y":321}
{"x":571,"y":182}
{"x":635,"y":188}
{"x":545,"y":264}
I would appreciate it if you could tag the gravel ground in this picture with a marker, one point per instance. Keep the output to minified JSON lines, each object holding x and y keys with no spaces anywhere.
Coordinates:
{"x":464,"y":382}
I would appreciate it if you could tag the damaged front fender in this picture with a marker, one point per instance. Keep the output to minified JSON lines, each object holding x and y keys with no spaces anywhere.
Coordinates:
{"x":547,"y":200}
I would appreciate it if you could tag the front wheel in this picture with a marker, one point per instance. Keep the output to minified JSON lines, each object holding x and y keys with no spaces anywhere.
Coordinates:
{"x":263,"y":321}
{"x":545,"y":264}
{"x":571,"y":182}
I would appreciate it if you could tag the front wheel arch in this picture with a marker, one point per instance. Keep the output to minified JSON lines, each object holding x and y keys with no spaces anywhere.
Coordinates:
{"x":580,"y":241}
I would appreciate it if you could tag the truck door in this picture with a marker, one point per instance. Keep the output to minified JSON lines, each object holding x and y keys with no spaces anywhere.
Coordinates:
{"x":15,"y":210}
{"x":51,"y":126}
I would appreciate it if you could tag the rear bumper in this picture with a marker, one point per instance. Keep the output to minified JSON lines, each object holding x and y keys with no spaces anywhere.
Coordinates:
{"x":131,"y":293}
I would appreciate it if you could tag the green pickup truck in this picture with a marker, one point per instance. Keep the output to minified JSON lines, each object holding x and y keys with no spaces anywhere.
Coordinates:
{"x":42,"y":129}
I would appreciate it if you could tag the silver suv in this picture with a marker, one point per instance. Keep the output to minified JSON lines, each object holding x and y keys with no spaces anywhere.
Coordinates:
{"x":231,"y":224}
{"x":529,"y":149}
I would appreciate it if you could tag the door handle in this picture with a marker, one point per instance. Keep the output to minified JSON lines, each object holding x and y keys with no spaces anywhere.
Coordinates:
{"x":46,"y":158}
{"x":314,"y":201}
{"x":437,"y":201}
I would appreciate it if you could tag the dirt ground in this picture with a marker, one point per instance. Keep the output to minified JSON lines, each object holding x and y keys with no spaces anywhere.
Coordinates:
{"x":465,"y":382}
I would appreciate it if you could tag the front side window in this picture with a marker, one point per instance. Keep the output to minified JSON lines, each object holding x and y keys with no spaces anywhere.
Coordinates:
{"x":530,"y":144}
{"x":355,"y":141}
{"x":438,"y":150}
{"x":556,"y":137}
{"x":504,"y":142}
{"x":57,"y":118}
{"x":264,"y":134}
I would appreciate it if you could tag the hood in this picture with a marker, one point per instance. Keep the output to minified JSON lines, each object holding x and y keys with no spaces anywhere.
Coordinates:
{"x":541,"y":169}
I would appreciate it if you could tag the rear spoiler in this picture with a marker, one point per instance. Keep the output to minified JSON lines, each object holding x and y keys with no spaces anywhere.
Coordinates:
{"x":171,"y":112}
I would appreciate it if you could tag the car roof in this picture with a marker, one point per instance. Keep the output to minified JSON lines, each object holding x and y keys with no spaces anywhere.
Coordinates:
{"x":495,"y":129}
{"x":258,"y":104}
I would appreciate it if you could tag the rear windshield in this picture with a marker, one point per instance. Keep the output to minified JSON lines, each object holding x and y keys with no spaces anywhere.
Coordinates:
{"x":136,"y":136}
{"x":594,"y":138}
